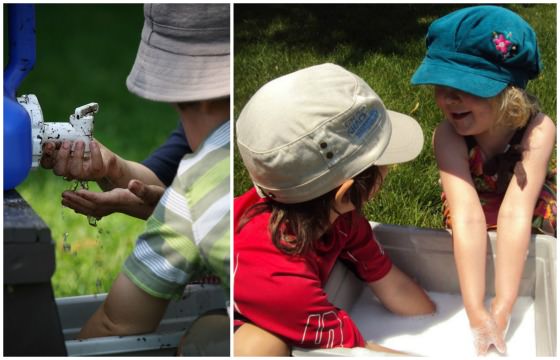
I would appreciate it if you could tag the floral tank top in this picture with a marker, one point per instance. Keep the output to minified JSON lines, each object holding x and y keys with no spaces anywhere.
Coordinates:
{"x":491,"y":178}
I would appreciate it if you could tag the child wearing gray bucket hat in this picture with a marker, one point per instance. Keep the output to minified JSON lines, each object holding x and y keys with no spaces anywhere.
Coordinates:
{"x":183,"y":59}
{"x":183,"y":56}
{"x":492,"y":151}
{"x":316,"y":143}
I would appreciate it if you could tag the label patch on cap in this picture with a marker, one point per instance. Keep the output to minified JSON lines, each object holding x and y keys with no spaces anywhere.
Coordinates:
{"x":361,"y":122}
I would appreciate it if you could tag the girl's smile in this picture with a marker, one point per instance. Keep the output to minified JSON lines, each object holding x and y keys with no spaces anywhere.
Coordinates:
{"x":468,"y":114}
{"x":461,"y":121}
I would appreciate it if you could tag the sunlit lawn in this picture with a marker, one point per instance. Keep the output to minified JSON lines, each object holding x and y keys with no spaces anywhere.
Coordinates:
{"x":84,"y":54}
{"x":383,"y":44}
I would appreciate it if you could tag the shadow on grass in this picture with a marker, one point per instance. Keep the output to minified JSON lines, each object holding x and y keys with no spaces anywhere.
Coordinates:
{"x":322,"y":27}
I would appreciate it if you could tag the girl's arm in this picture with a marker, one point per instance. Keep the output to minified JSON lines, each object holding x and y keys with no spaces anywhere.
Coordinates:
{"x":469,"y":223}
{"x":516,"y":213}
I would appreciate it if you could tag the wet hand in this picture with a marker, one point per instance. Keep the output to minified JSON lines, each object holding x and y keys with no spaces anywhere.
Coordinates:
{"x":149,"y":194}
{"x":502,"y":317}
{"x":99,"y":204}
{"x":76,"y":164}
{"x":486,"y":335}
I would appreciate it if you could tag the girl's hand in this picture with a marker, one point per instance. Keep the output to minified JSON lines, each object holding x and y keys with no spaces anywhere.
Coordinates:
{"x":487,"y":334}
{"x":501,"y":316}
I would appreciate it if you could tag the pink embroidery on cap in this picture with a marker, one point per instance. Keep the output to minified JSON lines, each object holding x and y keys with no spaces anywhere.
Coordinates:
{"x":503,"y":44}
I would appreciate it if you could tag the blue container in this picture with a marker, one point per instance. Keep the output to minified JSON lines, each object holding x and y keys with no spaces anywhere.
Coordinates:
{"x":17,"y":144}
{"x":17,"y":124}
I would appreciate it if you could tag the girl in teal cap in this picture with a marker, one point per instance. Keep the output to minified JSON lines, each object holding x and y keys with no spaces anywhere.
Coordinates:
{"x":492,"y":151}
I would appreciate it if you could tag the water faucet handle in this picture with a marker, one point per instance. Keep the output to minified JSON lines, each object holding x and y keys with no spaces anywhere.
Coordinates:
{"x":85,"y":110}
{"x":82,"y":122}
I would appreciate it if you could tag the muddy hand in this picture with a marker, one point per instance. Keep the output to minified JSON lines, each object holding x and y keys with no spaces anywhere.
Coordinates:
{"x":72,"y":162}
{"x":50,"y":149}
{"x":94,"y":204}
{"x":150,"y":194}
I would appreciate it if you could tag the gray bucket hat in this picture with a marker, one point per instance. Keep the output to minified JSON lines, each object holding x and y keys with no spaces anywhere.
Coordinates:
{"x":184,"y":53}
{"x":305,"y":133}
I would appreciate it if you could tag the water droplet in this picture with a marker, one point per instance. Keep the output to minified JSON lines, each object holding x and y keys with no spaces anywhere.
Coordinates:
{"x":79,"y":185}
{"x":65,"y":244}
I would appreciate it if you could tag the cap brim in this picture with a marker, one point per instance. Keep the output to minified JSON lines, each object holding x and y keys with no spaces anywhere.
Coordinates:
{"x":433,"y":72}
{"x":406,"y":140}
{"x":163,"y":76}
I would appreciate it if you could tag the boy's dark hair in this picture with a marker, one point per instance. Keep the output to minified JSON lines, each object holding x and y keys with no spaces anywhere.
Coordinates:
{"x":295,"y":228}
{"x":189,"y":104}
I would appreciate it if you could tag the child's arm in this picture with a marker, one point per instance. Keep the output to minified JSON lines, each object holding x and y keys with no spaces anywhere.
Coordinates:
{"x":516,"y":212}
{"x":395,"y":290}
{"x":469,"y":224}
{"x":251,"y":340}
{"x":401,"y":295}
{"x":127,"y":310}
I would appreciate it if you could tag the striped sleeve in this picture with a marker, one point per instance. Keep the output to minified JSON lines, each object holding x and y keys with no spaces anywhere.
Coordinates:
{"x":189,"y":230}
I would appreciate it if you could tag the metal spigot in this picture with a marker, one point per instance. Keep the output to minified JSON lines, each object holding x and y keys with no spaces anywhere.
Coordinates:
{"x":79,"y":128}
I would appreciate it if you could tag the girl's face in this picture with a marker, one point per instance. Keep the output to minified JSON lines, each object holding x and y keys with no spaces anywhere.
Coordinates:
{"x":468,"y":114}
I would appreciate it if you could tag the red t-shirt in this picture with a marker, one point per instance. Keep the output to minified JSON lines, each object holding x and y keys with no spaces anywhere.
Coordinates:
{"x":284,"y":294}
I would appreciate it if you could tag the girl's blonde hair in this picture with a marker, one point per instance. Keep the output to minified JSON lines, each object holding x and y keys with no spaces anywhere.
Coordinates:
{"x":515,"y":107}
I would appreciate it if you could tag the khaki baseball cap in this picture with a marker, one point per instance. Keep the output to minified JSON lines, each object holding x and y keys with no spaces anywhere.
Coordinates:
{"x":305,"y":133}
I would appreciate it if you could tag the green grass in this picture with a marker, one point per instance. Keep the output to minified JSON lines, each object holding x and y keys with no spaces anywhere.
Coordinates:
{"x":383,"y":44}
{"x":84,"y":54}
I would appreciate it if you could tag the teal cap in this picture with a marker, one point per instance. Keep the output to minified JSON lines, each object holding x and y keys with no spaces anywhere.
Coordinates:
{"x":480,"y":50}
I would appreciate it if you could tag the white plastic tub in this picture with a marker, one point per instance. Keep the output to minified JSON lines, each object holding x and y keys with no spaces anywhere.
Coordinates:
{"x":427,"y":256}
{"x":180,"y":315}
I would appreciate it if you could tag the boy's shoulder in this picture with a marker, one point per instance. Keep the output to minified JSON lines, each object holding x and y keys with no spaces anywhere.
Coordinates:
{"x":218,"y":137}
{"x":214,"y":152}
{"x":243,"y":202}
{"x":351,"y":223}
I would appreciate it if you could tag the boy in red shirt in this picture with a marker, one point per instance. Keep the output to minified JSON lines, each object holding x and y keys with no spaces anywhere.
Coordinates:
{"x":316,"y":144}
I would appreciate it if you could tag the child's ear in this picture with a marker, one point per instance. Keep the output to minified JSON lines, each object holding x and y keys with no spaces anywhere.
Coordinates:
{"x":340,"y":198}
